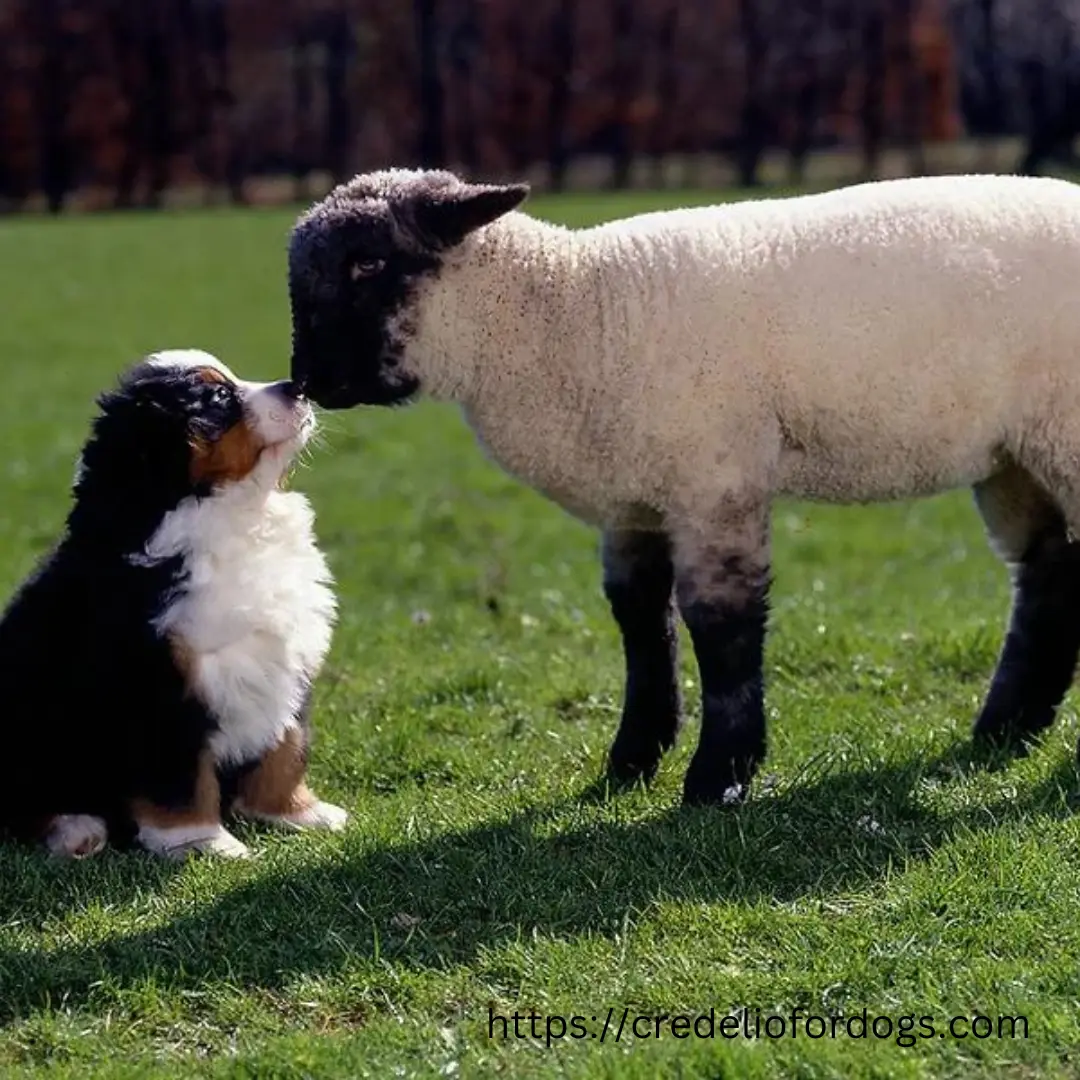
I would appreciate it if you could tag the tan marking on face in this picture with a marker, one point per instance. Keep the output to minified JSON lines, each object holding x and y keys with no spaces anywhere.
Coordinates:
{"x":204,"y":807}
{"x":227,"y":459}
{"x":230,"y":457}
{"x":275,"y":787}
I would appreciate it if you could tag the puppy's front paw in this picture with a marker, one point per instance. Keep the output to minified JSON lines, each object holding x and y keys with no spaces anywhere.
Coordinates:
{"x":183,"y":841}
{"x":321,"y":815}
{"x":76,"y":836}
{"x":223,"y":844}
{"x":313,"y":814}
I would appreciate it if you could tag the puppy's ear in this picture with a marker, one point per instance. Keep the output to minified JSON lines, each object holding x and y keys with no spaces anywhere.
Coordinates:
{"x":444,"y":216}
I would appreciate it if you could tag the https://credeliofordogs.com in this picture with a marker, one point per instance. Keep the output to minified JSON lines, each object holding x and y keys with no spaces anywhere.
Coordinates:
{"x":629,"y":1025}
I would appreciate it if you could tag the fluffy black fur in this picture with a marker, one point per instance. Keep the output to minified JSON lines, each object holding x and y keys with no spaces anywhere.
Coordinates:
{"x":95,"y":708}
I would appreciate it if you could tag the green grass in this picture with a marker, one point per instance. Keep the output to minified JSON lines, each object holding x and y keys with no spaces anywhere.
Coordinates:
{"x":464,"y":715}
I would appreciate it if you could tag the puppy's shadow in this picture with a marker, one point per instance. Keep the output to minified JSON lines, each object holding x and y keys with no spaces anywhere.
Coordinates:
{"x":454,"y":898}
{"x":35,"y":887}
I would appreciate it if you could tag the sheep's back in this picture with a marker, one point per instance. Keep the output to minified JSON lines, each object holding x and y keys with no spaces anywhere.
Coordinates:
{"x":898,"y":333}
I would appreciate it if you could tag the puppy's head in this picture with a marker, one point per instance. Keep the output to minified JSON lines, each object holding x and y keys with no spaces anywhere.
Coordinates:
{"x":181,"y":423}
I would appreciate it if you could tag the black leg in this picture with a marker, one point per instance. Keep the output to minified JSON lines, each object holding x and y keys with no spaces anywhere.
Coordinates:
{"x":1039,"y":656}
{"x":729,"y":642}
{"x":722,"y":584}
{"x":638,"y":583}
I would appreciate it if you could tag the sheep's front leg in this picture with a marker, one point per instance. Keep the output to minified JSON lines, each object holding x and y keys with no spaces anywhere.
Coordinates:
{"x":639,"y":583}
{"x":721,"y":583}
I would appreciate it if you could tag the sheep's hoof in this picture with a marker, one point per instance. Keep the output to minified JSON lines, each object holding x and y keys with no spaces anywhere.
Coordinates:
{"x":634,"y":758}
{"x":733,"y":795}
{"x":704,"y":787}
{"x":624,"y":771}
{"x":1007,"y":734}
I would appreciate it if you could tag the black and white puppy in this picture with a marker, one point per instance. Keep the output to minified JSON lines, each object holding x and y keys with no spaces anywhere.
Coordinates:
{"x":157,"y":665}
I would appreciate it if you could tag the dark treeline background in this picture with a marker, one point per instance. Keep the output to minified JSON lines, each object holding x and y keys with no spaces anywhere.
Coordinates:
{"x":120,"y":102}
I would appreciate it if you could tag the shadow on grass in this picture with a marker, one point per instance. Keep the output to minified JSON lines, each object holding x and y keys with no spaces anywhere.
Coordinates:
{"x":35,"y":887}
{"x":438,"y":902}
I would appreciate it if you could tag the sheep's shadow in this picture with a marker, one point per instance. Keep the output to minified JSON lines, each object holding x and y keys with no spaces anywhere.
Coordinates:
{"x":442,"y":901}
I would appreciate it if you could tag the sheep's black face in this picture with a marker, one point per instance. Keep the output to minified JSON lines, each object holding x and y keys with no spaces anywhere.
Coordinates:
{"x":350,"y":283}
{"x":357,"y":261}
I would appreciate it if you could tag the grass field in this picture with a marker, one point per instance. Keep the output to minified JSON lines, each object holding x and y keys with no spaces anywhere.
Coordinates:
{"x":472,"y":691}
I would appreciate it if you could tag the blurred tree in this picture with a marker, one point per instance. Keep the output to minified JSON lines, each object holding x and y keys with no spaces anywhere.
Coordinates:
{"x":129,"y":78}
{"x":626,"y":61}
{"x":754,"y":29}
{"x":465,"y":49}
{"x":432,"y":104}
{"x":12,"y":192}
{"x":223,"y":98}
{"x":1019,"y":64}
{"x":519,"y":145}
{"x":808,"y":47}
{"x":563,"y":48}
{"x":980,"y":62}
{"x":872,"y":104}
{"x":54,"y":92}
{"x":667,"y":89}
{"x":338,"y":45}
{"x":905,"y":62}
{"x":159,"y":51}
{"x":146,"y":48}
{"x":1044,"y":39}
{"x":302,"y":63}
{"x":137,"y":96}
{"x":206,"y":76}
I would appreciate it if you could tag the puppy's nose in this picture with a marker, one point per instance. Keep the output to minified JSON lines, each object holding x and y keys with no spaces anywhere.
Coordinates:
{"x":289,"y":389}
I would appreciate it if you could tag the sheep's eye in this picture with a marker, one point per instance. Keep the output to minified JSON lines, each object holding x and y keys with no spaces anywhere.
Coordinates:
{"x":366,"y":268}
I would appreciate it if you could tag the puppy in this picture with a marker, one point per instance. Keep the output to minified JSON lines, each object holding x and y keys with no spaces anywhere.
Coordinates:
{"x":156,"y":668}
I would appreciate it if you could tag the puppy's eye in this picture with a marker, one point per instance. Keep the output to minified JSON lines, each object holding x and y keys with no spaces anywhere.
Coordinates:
{"x":366,"y":268}
{"x":220,"y":395}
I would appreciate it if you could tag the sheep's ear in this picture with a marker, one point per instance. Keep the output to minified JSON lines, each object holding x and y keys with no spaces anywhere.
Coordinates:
{"x":448,"y":216}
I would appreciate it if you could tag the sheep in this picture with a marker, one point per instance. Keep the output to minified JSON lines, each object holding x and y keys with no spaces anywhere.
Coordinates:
{"x":663,"y":376}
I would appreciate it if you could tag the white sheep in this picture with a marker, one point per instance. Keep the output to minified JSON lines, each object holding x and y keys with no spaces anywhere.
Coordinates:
{"x":665,"y":375}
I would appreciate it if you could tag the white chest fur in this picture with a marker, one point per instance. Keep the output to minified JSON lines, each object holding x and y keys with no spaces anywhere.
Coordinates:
{"x":256,"y":611}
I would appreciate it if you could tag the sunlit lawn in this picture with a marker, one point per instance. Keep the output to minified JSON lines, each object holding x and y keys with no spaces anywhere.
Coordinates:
{"x":472,"y":692}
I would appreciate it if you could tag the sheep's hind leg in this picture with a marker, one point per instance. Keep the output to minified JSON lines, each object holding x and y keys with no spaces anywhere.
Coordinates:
{"x":1038,"y":659}
{"x":639,"y":584}
{"x":721,"y":582}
